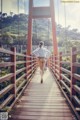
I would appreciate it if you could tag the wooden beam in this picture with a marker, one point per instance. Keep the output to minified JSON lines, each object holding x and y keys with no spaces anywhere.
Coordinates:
{"x":41,"y":12}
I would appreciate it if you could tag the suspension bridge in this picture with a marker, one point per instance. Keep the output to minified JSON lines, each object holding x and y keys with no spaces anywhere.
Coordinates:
{"x":58,"y":97}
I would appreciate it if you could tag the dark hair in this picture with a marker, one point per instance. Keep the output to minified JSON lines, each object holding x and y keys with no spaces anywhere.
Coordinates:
{"x":41,"y":44}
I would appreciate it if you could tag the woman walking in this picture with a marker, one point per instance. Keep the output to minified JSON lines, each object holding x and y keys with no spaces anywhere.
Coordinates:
{"x":42,"y":53}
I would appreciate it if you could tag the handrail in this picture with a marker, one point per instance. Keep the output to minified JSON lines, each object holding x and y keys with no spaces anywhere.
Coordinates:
{"x":15,"y":79}
{"x":77,"y":89}
{"x":6,"y":101}
{"x":2,"y":50}
{"x":76,"y":100}
{"x":65,"y":62}
{"x":6,"y":77}
{"x":19,"y":87}
{"x":19,"y":54}
{"x":69,"y":83}
{"x":20,"y":70}
{"x":76,"y":64}
{"x":6,"y":64}
{"x":20,"y":62}
{"x":67,"y":79}
{"x":76,"y":76}
{"x":5,"y":90}
{"x":66,"y":71}
{"x":64,"y":84}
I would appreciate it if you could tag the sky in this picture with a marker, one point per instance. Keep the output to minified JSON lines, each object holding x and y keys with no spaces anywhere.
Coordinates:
{"x":66,"y":14}
{"x":69,"y":13}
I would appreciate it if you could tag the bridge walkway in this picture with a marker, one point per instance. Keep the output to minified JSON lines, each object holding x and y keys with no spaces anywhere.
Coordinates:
{"x":42,"y":101}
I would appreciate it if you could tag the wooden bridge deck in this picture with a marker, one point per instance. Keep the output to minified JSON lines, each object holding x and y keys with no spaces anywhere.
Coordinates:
{"x":42,"y":101}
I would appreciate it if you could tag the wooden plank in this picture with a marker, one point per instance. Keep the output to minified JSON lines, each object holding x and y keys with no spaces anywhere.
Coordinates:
{"x":42,"y":110}
{"x":51,"y":114}
{"x":39,"y":95}
{"x":39,"y":102}
{"x":42,"y":102}
{"x":40,"y":118}
{"x":42,"y":99}
{"x":40,"y":107}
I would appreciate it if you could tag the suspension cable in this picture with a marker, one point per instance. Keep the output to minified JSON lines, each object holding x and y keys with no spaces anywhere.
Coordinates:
{"x":65,"y":26}
{"x":24,"y":6}
{"x":58,"y":10}
{"x":65,"y":14}
{"x":65,"y":20}
{"x":18,"y":21}
{"x":1,"y":22}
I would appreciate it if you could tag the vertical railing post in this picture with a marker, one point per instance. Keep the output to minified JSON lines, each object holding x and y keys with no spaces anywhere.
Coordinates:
{"x":31,"y":59}
{"x":32,"y":64}
{"x":25,"y":59}
{"x":13,"y":70}
{"x":51,"y":63}
{"x":48,"y":63}
{"x":27,"y":64}
{"x":55,"y":62}
{"x":51,"y":60}
{"x":60,"y":65}
{"x":73,"y":70}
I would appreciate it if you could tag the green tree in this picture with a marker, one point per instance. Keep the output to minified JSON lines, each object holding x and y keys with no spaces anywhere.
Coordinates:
{"x":7,"y":39}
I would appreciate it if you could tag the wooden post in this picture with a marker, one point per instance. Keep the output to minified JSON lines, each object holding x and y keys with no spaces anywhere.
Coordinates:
{"x":60,"y":65}
{"x":33,"y":65}
{"x":28,"y":64}
{"x":13,"y":70}
{"x":50,"y":60}
{"x":73,"y":70}
{"x":26,"y":67}
{"x":31,"y":59}
{"x":25,"y":59}
{"x":55,"y":58}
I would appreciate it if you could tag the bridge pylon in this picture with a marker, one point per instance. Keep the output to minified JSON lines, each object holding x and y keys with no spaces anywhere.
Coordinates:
{"x":41,"y":12}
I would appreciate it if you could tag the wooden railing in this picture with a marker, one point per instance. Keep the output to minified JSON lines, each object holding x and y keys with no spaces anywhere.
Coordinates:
{"x":66,"y":69}
{"x":16,"y":71}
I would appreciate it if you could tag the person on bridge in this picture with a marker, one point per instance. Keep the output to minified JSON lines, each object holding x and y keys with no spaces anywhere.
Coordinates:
{"x":43,"y":54}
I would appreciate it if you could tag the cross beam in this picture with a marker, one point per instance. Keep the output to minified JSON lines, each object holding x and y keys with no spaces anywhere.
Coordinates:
{"x":41,"y":12}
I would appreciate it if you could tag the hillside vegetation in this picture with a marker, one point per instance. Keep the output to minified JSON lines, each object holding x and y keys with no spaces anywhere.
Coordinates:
{"x":13,"y":30}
